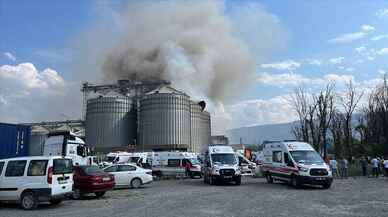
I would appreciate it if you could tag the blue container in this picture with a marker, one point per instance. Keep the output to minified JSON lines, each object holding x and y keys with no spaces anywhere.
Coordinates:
{"x":14,"y":140}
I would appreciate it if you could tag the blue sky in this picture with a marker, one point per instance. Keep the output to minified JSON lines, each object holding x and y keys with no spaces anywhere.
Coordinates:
{"x":343,"y":39}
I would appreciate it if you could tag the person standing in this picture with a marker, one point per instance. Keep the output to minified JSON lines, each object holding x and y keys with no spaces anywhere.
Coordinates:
{"x":344,"y":168}
{"x":364,"y":165}
{"x":375,"y":167}
{"x":333,"y":166}
{"x":386,"y":166}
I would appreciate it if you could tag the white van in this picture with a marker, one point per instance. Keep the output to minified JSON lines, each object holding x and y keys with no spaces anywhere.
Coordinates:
{"x":296,"y":163}
{"x":175,"y":163}
{"x":30,"y":180}
{"x":221,"y":164}
{"x":124,"y":157}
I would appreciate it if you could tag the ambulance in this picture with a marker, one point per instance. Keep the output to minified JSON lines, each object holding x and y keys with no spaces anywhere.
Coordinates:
{"x":296,"y":163}
{"x":221,"y":164}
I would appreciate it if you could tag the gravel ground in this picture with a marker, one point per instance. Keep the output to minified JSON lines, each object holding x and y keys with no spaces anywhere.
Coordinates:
{"x":254,"y":198}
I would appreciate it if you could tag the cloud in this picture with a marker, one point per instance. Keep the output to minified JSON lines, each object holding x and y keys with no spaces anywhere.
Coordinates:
{"x":382,"y":13}
{"x":294,"y":79}
{"x":350,"y":37}
{"x":9,"y":56}
{"x":285,"y":79}
{"x":28,"y":94}
{"x":260,"y":111}
{"x":382,"y":71}
{"x":283,"y":65}
{"x":383,"y":51}
{"x":337,"y":60}
{"x":315,"y":62}
{"x":379,"y":37}
{"x":360,"y":49}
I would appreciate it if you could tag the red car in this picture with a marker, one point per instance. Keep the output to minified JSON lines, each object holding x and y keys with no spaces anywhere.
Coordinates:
{"x":91,"y":179}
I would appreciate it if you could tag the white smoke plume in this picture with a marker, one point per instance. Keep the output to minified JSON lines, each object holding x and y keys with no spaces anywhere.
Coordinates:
{"x":190,"y":43}
{"x":196,"y":45}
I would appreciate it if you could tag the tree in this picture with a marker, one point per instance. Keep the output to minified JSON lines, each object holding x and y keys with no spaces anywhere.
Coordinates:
{"x":325,"y":110}
{"x":349,"y":102}
{"x":299,"y":102}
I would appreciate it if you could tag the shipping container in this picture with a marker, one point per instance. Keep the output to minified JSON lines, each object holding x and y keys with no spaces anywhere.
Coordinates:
{"x":14,"y":140}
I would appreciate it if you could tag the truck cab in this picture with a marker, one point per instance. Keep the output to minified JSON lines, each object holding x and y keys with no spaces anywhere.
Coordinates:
{"x":221,"y":164}
{"x":65,"y":143}
{"x":296,"y":163}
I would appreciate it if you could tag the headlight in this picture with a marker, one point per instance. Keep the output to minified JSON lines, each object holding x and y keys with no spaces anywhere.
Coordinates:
{"x":303,"y":169}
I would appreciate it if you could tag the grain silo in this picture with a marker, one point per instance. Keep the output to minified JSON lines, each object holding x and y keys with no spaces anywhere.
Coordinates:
{"x":205,"y":128}
{"x":110,"y":123}
{"x":164,"y":120}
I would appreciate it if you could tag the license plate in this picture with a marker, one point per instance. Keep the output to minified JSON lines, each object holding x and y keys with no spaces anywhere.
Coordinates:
{"x":227,"y":177}
{"x":105,"y":179}
{"x":319,"y":179}
{"x":62,"y":181}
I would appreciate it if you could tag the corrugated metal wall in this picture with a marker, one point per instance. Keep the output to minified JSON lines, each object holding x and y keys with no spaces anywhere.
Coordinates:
{"x":14,"y":140}
{"x":110,"y":122}
{"x":164,"y":121}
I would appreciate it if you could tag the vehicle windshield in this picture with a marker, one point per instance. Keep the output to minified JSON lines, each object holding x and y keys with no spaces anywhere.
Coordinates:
{"x":194,"y":161}
{"x":223,"y":158}
{"x":62,"y":166}
{"x":306,"y":157}
{"x":92,"y":170}
{"x":110,"y":159}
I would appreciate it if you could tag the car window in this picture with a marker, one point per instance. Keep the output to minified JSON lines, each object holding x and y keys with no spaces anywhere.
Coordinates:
{"x":1,"y":167}
{"x":277,"y":156}
{"x":92,"y":170}
{"x":111,"y":169}
{"x":62,"y":166}
{"x":173,"y":162}
{"x":37,"y":168}
{"x":15,"y":168}
{"x":122,"y":168}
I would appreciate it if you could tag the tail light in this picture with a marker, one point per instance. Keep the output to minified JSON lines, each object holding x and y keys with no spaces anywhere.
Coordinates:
{"x":149,"y":173}
{"x":50,"y":175}
{"x":96,"y":178}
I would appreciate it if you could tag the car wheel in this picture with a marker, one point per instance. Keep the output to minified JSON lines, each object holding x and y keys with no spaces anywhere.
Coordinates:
{"x":28,"y":201}
{"x":326,"y":185}
{"x":295,"y":182}
{"x":269,"y":178}
{"x":55,"y":201}
{"x":100,"y":194}
{"x":238,"y":180}
{"x":76,"y":194}
{"x":136,"y":183}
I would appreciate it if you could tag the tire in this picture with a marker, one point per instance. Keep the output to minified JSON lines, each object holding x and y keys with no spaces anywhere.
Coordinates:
{"x":76,"y":194}
{"x":28,"y":201}
{"x":326,"y":185}
{"x":295,"y":182}
{"x":269,"y":178}
{"x":55,"y":201}
{"x":136,"y":183}
{"x":238,"y":180}
{"x":100,"y":194}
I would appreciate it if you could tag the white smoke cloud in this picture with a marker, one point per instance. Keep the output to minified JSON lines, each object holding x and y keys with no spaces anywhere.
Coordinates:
{"x":201,"y":49}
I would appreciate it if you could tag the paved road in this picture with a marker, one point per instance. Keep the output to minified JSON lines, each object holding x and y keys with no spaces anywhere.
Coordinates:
{"x":254,"y":198}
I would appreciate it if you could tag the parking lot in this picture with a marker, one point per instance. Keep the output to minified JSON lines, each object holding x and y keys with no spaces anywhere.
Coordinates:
{"x":351,"y":197}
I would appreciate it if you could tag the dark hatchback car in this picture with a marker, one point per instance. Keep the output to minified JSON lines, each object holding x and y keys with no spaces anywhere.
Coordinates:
{"x":91,"y":179}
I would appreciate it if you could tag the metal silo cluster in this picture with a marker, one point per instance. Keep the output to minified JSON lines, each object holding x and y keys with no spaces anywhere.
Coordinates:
{"x":157,"y":120}
{"x":110,"y":122}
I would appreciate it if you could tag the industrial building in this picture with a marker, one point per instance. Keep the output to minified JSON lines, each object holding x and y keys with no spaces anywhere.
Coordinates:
{"x":133,"y":116}
{"x":143,"y":117}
